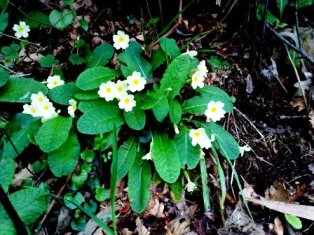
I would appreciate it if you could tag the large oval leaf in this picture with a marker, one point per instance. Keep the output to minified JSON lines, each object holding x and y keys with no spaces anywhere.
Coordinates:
{"x":20,"y":90}
{"x":4,"y":77}
{"x":138,"y":185}
{"x":7,"y":172}
{"x":63,"y":160}
{"x":136,"y":118}
{"x":175,"y":111}
{"x":165,"y":157}
{"x":101,"y":55}
{"x":126,"y":157}
{"x":100,"y":119}
{"x":62,"y":94}
{"x":92,"y":78}
{"x":62,"y":19}
{"x":53,"y":133}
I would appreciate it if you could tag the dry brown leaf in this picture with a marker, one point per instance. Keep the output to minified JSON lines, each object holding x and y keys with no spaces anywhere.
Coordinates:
{"x":156,"y":208}
{"x":21,"y":176}
{"x":278,"y":227}
{"x":140,"y":228}
{"x":277,"y":192}
{"x":311,"y":118}
{"x":126,"y":231}
{"x":298,"y":103}
{"x":179,"y":226}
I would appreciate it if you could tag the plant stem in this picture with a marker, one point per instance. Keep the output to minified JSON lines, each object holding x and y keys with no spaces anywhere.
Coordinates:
{"x":205,"y":188}
{"x":113,"y":180}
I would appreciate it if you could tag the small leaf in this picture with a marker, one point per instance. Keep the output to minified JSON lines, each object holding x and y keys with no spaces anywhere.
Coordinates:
{"x":62,"y":94}
{"x":159,"y":57}
{"x":177,"y":190}
{"x":76,"y":59}
{"x":304,"y":3}
{"x":4,"y":77}
{"x":20,"y":90}
{"x":126,"y":157}
{"x":3,"y":22}
{"x":63,"y":160}
{"x":175,"y":111}
{"x":281,"y":4}
{"x":165,"y":158}
{"x":79,"y":179}
{"x":101,"y":194}
{"x":88,"y":155}
{"x":47,"y":61}
{"x":84,"y":24}
{"x":61,"y":20}
{"x":92,"y":78}
{"x":294,"y":221}
{"x":78,"y":198}
{"x":138,"y":185}
{"x":136,"y":119}
{"x":101,"y":55}
{"x":53,"y":133}
{"x":170,"y":47}
{"x":7,"y":172}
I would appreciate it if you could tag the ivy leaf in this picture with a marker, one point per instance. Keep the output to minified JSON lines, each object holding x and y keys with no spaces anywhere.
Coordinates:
{"x":133,"y":61}
{"x":47,"y":61}
{"x":63,"y":160}
{"x":126,"y":157}
{"x":62,"y":19}
{"x":175,"y":111}
{"x":68,"y":198}
{"x":7,"y":172}
{"x":62,"y":94}
{"x":136,"y":119}
{"x":4,"y":77}
{"x":101,"y":55}
{"x":92,"y":78}
{"x":99,"y":120}
{"x":281,"y":4}
{"x":138,"y":185}
{"x":53,"y":133}
{"x":19,"y":90}
{"x":169,"y":46}
{"x":177,"y":74}
{"x":165,"y":158}
{"x":294,"y":221}
{"x":189,"y":154}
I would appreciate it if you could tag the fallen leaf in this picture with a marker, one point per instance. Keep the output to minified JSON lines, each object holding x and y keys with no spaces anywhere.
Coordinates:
{"x":140,"y":228}
{"x":21,"y":176}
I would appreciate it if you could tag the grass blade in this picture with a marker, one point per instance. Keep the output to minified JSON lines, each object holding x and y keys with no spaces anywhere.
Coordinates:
{"x":205,"y":187}
{"x":113,"y":180}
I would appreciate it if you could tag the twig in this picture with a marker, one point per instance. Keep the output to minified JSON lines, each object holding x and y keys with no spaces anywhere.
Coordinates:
{"x":286,"y":42}
{"x":22,"y":40}
{"x":6,"y":68}
{"x":180,"y":10}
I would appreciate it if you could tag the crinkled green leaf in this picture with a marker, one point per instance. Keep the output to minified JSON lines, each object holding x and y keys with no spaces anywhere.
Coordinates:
{"x":62,"y":94}
{"x":7,"y":172}
{"x":126,"y":157}
{"x":189,"y":155}
{"x":165,"y":158}
{"x":63,"y":160}
{"x":132,"y":60}
{"x":136,"y":118}
{"x":62,"y":19}
{"x":101,"y":55}
{"x":53,"y":133}
{"x":161,"y":109}
{"x":19,"y":90}
{"x":169,"y":46}
{"x":175,"y":111}
{"x":4,"y":77}
{"x":100,"y":119}
{"x":177,"y":74}
{"x":159,"y":57}
{"x":139,"y":180}
{"x":92,"y":78}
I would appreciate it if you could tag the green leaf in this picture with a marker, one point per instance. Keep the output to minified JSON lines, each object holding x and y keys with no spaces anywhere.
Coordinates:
{"x":62,"y":94}
{"x":176,"y":191}
{"x":3,"y":22}
{"x":100,"y":119}
{"x":63,"y":160}
{"x":227,"y":145}
{"x":87,"y":95}
{"x":29,"y":203}
{"x":47,"y":61}
{"x":79,"y":179}
{"x":4,"y":77}
{"x":138,"y":185}
{"x":126,"y":157}
{"x":86,"y":106}
{"x":101,"y":194}
{"x":294,"y":221}
{"x":20,"y":138}
{"x":68,"y":199}
{"x":92,"y":78}
{"x":76,"y":59}
{"x":53,"y":133}
{"x":132,"y":60}
{"x":281,"y":4}
{"x":304,"y":3}
{"x":101,"y":55}
{"x":84,"y":24}
{"x":170,"y":47}
{"x":177,"y":74}
{"x":270,"y":18}
{"x":3,"y":4}
{"x":19,"y":90}
{"x":136,"y":119}
{"x":217,"y":63}
{"x":37,"y":19}
{"x":175,"y":111}
{"x":152,"y":99}
{"x":88,"y":155}
{"x":166,"y":158}
{"x":198,"y":104}
{"x":61,"y":20}
{"x":161,"y":109}
{"x":7,"y":172}
{"x":159,"y":57}
{"x":189,"y":155}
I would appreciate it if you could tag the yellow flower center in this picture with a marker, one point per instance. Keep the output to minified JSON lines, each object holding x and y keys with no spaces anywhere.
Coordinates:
{"x":214,"y":110}
{"x":55,"y":83}
{"x":136,"y":82}
{"x":195,"y":79}
{"x":126,"y":100}
{"x":21,"y":29}
{"x":197,"y":134}
{"x":46,"y":108}
{"x":120,"y":89}
{"x":33,"y":111}
{"x":40,"y":99}
{"x":121,"y":39}
{"x":108,"y":90}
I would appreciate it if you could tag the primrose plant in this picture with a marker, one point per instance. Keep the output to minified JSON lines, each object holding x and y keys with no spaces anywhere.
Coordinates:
{"x":164,"y":114}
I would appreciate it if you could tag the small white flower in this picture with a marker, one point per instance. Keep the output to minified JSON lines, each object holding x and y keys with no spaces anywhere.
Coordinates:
{"x":121,"y":40}
{"x":201,"y":68}
{"x":148,"y":156}
{"x":197,"y":80}
{"x":136,"y":82}
{"x":31,"y":109}
{"x":192,"y":53}
{"x":107,"y":90}
{"x":200,"y":137}
{"x":47,"y":111}
{"x":176,"y":129}
{"x":38,"y":99}
{"x":127,"y":103}
{"x":244,"y":148}
{"x":121,"y":89}
{"x":190,"y":186}
{"x":215,"y":111}
{"x":21,"y":29}
{"x":54,"y":81}
{"x":72,"y":108}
